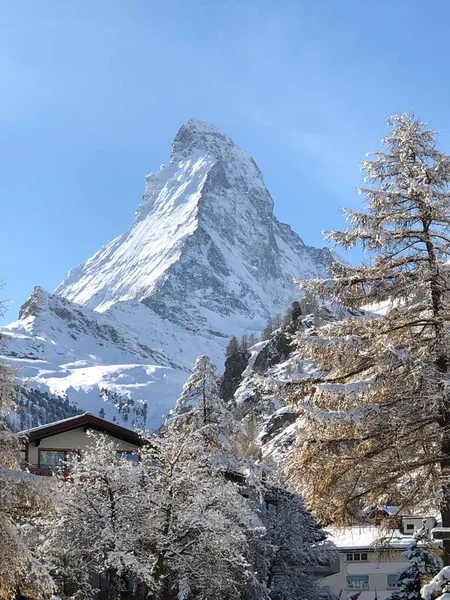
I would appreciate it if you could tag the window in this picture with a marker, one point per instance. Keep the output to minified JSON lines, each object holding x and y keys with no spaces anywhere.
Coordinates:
{"x":357,"y":556}
{"x":358,"y":582}
{"x":54,"y":459}
{"x":393,"y":581}
{"x":410,"y":526}
{"x":128,"y":455}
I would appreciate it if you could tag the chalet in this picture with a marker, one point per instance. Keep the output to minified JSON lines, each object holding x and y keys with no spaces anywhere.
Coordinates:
{"x":49,"y":446}
{"x":370,"y":558}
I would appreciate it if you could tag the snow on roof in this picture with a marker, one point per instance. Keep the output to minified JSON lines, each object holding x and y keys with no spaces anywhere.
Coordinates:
{"x":74,"y":418}
{"x":85,"y":420}
{"x":362,"y":537}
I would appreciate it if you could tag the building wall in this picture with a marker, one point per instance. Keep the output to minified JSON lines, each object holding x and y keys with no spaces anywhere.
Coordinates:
{"x":77,"y":439}
{"x":411,"y":524}
{"x":377,"y":567}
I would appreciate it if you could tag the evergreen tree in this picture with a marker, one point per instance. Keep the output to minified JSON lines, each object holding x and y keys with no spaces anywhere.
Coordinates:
{"x":423,"y":566}
{"x":377,"y":410}
{"x":440,"y":584}
{"x":299,"y":547}
{"x":201,"y":406}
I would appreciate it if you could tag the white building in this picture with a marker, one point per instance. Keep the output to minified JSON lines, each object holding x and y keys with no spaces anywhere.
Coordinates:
{"x":370,"y":558}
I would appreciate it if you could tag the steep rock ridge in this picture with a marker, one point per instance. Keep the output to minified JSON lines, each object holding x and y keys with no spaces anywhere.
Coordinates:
{"x":263,"y":382}
{"x":204,"y":259}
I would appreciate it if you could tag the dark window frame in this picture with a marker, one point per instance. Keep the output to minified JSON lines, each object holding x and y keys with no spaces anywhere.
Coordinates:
{"x":64,"y":451}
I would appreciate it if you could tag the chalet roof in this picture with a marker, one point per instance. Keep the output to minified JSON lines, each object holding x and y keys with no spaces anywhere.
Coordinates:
{"x":86,"y":420}
{"x":367,"y":537}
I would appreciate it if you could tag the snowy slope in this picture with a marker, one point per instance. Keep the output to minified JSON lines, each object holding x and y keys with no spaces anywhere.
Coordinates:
{"x":63,"y":349}
{"x":204,"y":259}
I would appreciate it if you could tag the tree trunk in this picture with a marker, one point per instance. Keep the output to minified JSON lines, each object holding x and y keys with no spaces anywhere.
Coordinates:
{"x":143,"y":592}
{"x":113,"y":585}
{"x":205,"y":412}
{"x":442,"y":365}
{"x":445,"y":463}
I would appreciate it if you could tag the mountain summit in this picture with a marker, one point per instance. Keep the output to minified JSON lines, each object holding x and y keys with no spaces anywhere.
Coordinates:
{"x":205,"y":250}
{"x":204,"y":259}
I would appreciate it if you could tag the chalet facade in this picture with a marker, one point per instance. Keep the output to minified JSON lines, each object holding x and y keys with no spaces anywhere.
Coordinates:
{"x":48,"y":447}
{"x":367,"y":567}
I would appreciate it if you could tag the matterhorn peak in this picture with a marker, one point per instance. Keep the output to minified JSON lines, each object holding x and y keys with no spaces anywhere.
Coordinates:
{"x":205,"y":259}
{"x":200,"y":136}
{"x":205,"y":232}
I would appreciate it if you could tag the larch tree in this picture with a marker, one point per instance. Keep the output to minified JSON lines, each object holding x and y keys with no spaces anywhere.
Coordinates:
{"x":243,"y":344}
{"x":423,"y":566}
{"x":233,"y":347}
{"x":377,"y":408}
{"x":267,"y":332}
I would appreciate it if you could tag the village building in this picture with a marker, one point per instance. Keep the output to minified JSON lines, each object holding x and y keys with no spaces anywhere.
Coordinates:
{"x":371,"y":557}
{"x":49,"y":447}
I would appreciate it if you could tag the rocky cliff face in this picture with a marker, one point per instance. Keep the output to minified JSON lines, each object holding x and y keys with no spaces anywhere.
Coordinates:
{"x":204,"y":259}
{"x":260,"y":385}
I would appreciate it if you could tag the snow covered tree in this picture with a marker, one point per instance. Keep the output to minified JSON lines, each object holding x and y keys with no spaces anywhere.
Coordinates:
{"x":100,"y":525}
{"x":203,"y":528}
{"x":440,"y":584}
{"x":201,"y":406}
{"x":201,"y":389}
{"x":171,"y":526}
{"x":378,"y":407}
{"x":423,"y":566}
{"x":299,"y":547}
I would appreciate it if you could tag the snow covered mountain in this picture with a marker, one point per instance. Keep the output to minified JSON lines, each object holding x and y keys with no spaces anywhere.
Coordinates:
{"x":204,"y":259}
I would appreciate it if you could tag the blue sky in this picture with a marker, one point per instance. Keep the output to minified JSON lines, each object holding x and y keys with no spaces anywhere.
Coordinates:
{"x":92,"y":93}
